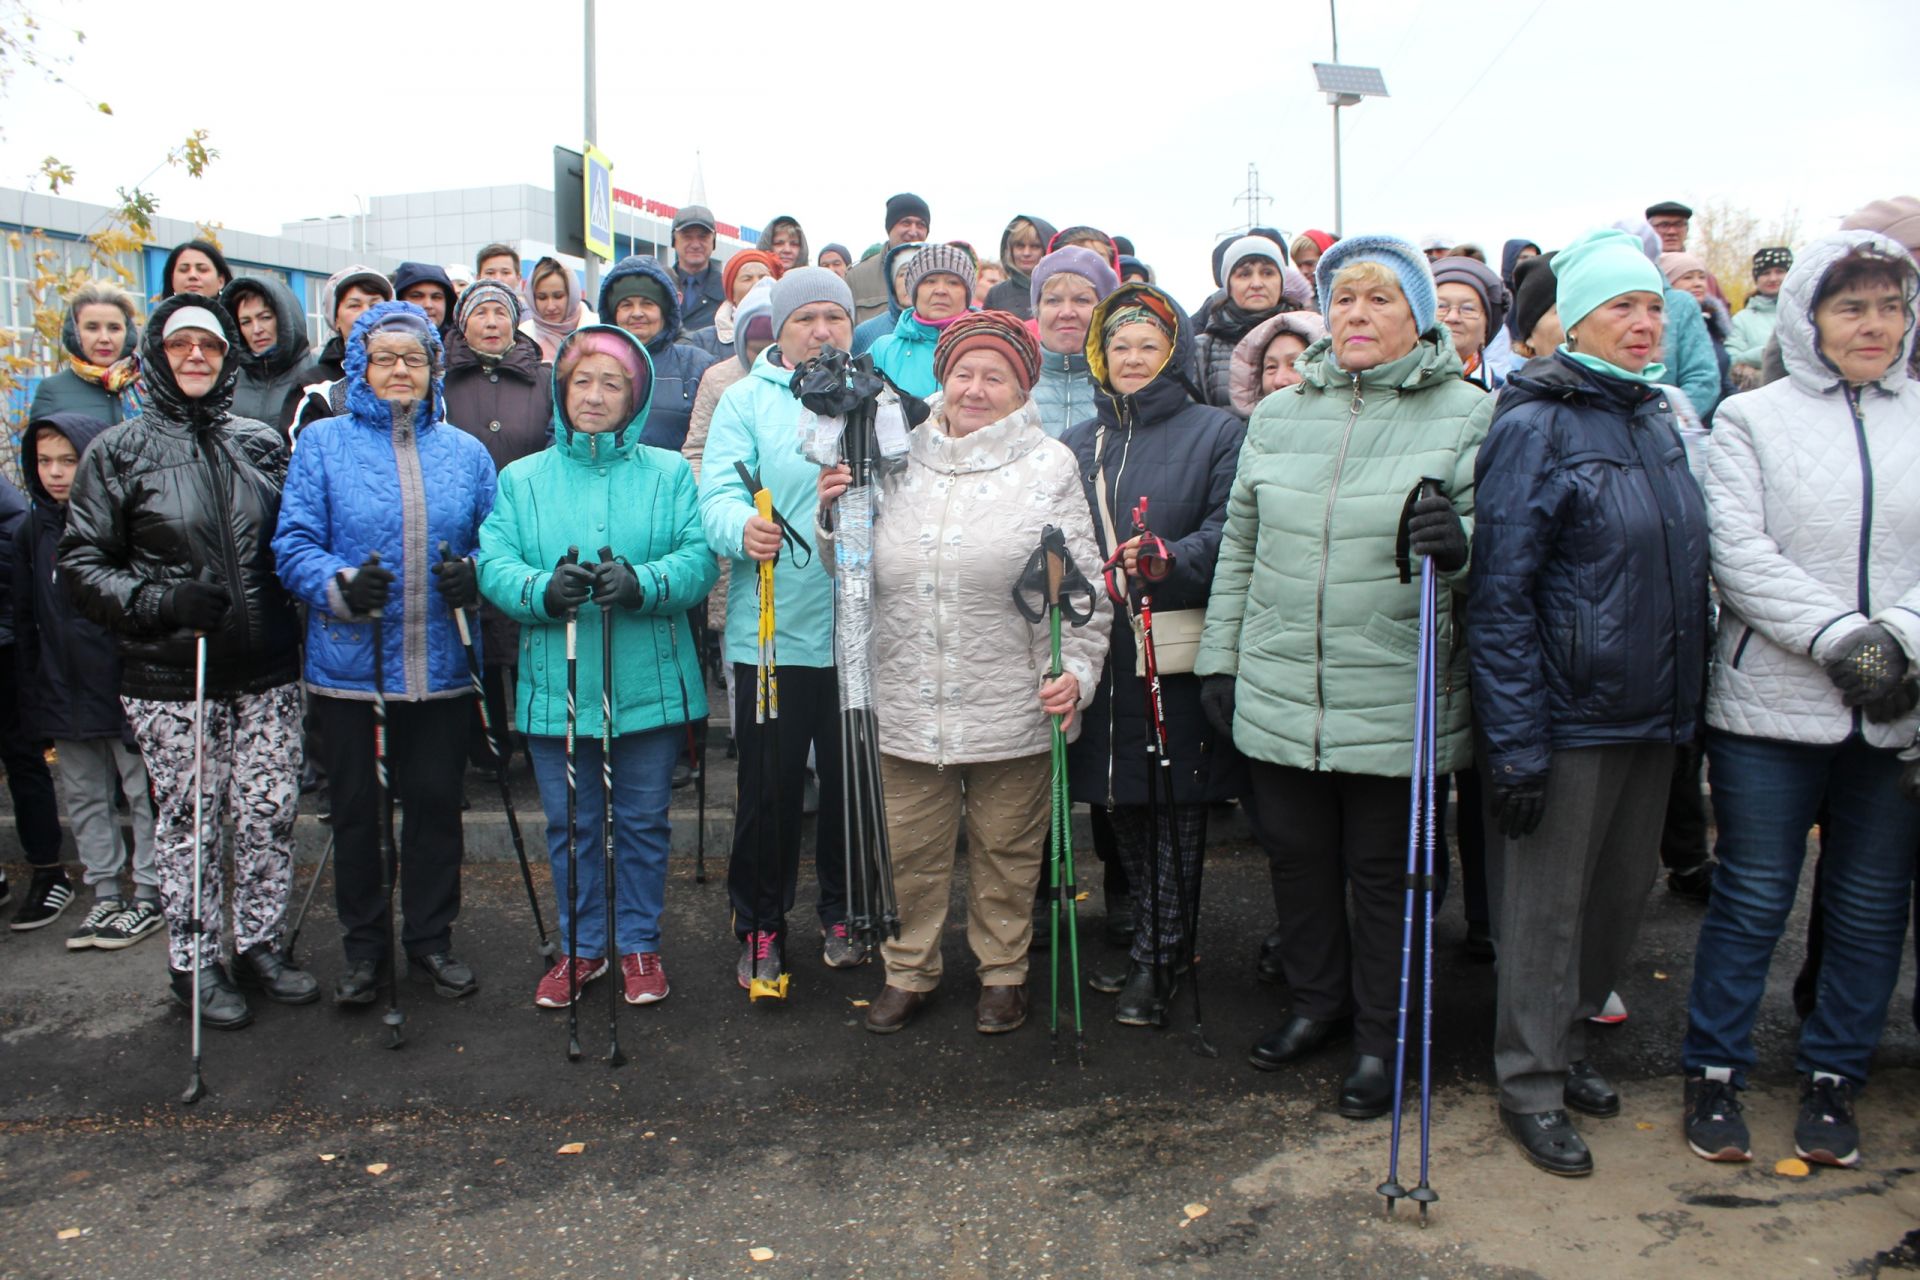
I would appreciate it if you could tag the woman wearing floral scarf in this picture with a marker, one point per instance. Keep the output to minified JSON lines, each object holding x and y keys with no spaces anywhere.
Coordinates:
{"x":101,"y":372}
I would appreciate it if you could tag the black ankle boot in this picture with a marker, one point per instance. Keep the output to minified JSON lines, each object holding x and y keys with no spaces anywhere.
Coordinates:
{"x":264,"y":968}
{"x":1143,"y":1001}
{"x":221,"y":1007}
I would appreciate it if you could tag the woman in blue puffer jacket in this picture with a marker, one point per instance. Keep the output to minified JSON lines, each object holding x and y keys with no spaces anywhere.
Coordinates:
{"x":371,"y":498}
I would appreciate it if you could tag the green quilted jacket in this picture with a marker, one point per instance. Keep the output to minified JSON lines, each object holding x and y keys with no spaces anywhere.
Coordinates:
{"x":1308,"y":609}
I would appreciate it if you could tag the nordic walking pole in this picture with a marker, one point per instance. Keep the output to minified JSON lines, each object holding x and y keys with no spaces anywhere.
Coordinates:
{"x":1424,"y":1194}
{"x":499,"y":763}
{"x":766,"y":710}
{"x":383,"y":798}
{"x":615,"y":1058}
{"x":196,"y":1088}
{"x":573,"y":803}
{"x":1065,"y":891}
{"x":313,"y":885}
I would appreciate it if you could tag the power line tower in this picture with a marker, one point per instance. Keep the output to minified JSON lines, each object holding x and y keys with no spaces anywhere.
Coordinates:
{"x":1252,"y":198}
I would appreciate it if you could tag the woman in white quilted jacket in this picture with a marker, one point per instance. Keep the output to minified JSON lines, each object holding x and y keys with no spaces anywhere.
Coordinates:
{"x":961,"y":690}
{"x":1813,"y":492}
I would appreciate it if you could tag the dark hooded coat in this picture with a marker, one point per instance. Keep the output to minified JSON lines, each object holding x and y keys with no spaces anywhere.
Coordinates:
{"x":677,"y":364}
{"x":1015,"y":293}
{"x":269,"y":378}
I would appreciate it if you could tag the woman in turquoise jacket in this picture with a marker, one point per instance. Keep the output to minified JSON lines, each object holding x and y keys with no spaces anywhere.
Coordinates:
{"x":596,"y":486}
{"x":940,"y":282}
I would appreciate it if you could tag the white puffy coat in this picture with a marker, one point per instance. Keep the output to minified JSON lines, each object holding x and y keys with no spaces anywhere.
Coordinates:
{"x":1816,"y":527}
{"x":957,"y":668}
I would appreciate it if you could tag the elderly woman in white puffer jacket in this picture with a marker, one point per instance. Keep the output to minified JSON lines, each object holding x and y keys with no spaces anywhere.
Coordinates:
{"x":961,"y":691}
{"x":1815,"y":519}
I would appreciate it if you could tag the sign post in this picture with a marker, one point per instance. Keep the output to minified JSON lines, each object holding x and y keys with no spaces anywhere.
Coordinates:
{"x":598,"y":233}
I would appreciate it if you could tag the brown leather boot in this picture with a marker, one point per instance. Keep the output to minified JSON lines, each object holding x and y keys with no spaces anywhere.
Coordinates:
{"x":894,"y":1008}
{"x":1000,"y":1009}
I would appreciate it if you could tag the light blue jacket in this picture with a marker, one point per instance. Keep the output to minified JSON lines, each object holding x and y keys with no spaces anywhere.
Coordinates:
{"x":757,"y":422}
{"x":1751,"y":329}
{"x":906,"y":355}
{"x":1692,"y":364}
{"x":1064,"y":391}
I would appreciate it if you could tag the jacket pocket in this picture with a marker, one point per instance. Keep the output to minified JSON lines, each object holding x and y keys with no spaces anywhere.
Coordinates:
{"x":1740,"y":647}
{"x":1395,"y":637}
{"x":1580,"y":664}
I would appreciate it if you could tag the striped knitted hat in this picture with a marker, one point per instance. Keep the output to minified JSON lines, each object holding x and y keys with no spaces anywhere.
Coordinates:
{"x":937,"y":258}
{"x":486,"y":291}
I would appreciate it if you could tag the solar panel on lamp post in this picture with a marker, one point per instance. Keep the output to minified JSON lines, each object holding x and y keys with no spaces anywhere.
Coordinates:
{"x":1345,"y":85}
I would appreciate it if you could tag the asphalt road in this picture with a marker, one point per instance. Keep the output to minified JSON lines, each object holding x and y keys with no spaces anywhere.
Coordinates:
{"x":937,"y":1152}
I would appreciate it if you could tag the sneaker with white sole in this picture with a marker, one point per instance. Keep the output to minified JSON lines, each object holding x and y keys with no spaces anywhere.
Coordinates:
{"x":841,"y":950}
{"x":1826,"y":1133}
{"x":138,"y":921}
{"x":105,"y":910}
{"x":643,"y":978}
{"x":1715,"y":1128}
{"x":47,"y":896}
{"x":552,"y":991}
{"x":1612,"y":1013}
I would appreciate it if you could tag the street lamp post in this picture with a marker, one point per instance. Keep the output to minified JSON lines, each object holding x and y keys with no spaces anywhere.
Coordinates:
{"x":1344,"y":86}
{"x":593,"y":139}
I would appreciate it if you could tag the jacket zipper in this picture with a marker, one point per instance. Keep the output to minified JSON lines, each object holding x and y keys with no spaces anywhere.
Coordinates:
{"x":1320,"y":595}
{"x":1863,"y":587}
{"x":230,"y":553}
{"x":940,"y":639}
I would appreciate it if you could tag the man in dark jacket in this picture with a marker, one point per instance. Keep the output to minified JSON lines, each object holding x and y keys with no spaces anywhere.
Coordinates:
{"x":638,"y":295}
{"x":908,"y":220}
{"x":427,"y":287}
{"x":69,"y":693}
{"x":36,"y":813}
{"x":499,"y":391}
{"x":696,"y":275}
{"x":319,"y":389}
{"x":169,"y":538}
{"x":273,"y":347}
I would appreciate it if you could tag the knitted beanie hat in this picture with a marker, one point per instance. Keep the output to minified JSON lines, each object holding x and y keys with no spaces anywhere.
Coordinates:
{"x":1597,"y":267}
{"x":935,"y":259}
{"x":1408,"y":264}
{"x":904,"y":205}
{"x":804,"y":286}
{"x":731,"y":272}
{"x":999,"y":331}
{"x":1778,"y":256}
{"x":486,"y":291}
{"x":1076,"y":261}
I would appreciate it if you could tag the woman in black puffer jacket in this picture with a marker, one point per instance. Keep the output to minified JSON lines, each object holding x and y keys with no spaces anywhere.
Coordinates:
{"x":1257,"y":285}
{"x":1150,"y":439}
{"x":169,"y":534}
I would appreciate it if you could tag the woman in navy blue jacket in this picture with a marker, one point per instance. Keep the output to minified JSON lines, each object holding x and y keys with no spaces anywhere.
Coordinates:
{"x":390,"y":478}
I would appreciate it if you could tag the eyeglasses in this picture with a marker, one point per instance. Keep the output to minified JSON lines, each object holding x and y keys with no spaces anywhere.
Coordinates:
{"x":1466,"y":310}
{"x":182,"y":345}
{"x":387,"y":359}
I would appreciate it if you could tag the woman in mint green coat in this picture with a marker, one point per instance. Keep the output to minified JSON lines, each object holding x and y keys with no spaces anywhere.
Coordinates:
{"x":597,"y":486}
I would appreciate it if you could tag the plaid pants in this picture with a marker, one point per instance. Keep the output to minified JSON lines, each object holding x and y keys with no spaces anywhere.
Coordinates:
{"x":1164,"y":868}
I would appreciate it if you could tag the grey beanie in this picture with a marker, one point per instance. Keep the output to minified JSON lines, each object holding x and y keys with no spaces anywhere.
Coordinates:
{"x":803,"y":286}
{"x":1251,"y":247}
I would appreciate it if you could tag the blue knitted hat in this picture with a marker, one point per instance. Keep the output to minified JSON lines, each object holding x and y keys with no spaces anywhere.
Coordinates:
{"x":1407,"y":263}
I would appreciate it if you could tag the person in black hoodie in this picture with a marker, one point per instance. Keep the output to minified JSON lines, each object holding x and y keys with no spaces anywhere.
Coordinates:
{"x":1151,"y":439}
{"x":273,"y":348}
{"x":169,"y":536}
{"x":69,"y":693}
{"x":1022,"y":245}
{"x":36,"y":813}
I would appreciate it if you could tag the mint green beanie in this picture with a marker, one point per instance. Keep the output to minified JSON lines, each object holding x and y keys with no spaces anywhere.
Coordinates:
{"x":1599,"y":266}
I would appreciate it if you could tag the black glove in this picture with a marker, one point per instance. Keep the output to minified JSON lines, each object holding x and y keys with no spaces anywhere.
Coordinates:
{"x":458,"y":581}
{"x":198,"y":606}
{"x":1216,"y":699}
{"x":616,"y":584}
{"x":1870,"y":663}
{"x":367,"y":590}
{"x":1904,"y":698}
{"x":1434,"y":531}
{"x":567,"y":589}
{"x":1518,"y":808}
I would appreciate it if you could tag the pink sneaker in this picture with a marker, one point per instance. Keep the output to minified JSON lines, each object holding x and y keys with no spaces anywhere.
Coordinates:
{"x":643,"y":977}
{"x":552,"y":991}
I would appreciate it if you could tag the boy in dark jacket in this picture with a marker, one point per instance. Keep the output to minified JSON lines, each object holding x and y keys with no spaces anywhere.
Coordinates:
{"x":35,"y":811}
{"x":69,"y":681}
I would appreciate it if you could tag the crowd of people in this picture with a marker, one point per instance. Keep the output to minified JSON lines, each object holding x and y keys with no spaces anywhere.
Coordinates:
{"x":1671,"y":541}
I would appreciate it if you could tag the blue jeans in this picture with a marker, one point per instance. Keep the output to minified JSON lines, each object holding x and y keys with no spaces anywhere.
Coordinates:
{"x":642,"y":787}
{"x":1766,"y":795}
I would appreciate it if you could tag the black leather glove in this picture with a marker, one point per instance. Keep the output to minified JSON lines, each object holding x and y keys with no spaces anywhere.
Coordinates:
{"x":1216,"y":700}
{"x":368,"y":588}
{"x":1904,"y":698}
{"x":567,"y":589}
{"x":1518,"y":809}
{"x":616,"y":585}
{"x":1434,"y":530}
{"x":198,"y":606}
{"x":458,"y":581}
{"x":1869,"y":665}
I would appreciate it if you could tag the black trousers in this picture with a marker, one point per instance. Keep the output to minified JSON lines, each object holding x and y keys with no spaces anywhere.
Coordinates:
{"x":1337,"y":847}
{"x":36,"y":811}
{"x":1683,"y":840}
{"x":763,"y":876}
{"x":426,"y":754}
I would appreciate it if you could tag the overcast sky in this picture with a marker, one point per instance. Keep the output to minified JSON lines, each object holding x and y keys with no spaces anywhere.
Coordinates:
{"x":1593,"y":111}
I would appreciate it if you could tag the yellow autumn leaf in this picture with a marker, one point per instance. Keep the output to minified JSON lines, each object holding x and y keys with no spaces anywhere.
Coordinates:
{"x":1196,"y":1210}
{"x":760,"y":1253}
{"x":327,"y":1157}
{"x":1792,"y":1168}
{"x":1659,"y":976}
{"x":377,"y":1168}
{"x":68,"y":1233}
{"x":572,"y":1148}
{"x":1643,"y":1126}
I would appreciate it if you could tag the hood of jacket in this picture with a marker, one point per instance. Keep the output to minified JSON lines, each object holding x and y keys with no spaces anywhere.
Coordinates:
{"x":639,"y":264}
{"x":584,"y":445}
{"x":1510,"y":259}
{"x":78,"y":428}
{"x":522,"y":359}
{"x":1172,"y":387}
{"x":369,"y":408}
{"x":291,"y":346}
{"x":1800,"y":337}
{"x":1047,"y":233}
{"x":1560,"y":377}
{"x":886,"y":272}
{"x":1250,"y":354}
{"x":1432,"y":361}
{"x":785,"y":220}
{"x":163,"y":393}
{"x":409,"y":274}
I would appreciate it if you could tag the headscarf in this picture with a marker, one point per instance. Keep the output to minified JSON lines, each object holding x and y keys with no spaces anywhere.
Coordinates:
{"x":122,"y":377}
{"x":1135,"y":313}
{"x":551,"y":335}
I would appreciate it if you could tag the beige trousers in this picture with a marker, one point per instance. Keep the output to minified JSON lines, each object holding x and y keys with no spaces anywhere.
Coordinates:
{"x":1006,"y":806}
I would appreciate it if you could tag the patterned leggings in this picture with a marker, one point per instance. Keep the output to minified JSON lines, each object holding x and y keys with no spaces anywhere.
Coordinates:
{"x":1151,"y":867}
{"x":252,"y":777}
